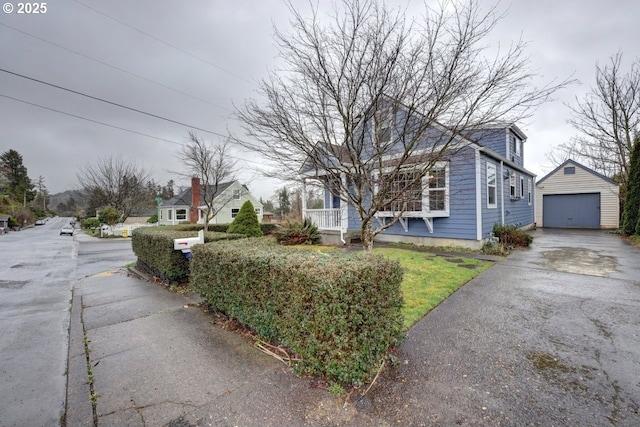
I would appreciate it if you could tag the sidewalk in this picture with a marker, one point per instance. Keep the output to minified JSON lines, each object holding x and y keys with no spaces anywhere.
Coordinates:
{"x":158,"y":359}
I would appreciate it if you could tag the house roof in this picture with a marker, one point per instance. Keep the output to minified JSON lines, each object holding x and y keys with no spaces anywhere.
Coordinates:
{"x":184,"y":198}
{"x":583,"y":167}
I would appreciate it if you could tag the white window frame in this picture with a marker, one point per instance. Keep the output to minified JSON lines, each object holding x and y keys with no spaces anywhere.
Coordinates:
{"x":258,"y":211}
{"x":236,"y":194}
{"x":161,"y":211}
{"x":169,"y":214}
{"x":426,"y":189}
{"x":521,"y":187}
{"x":179,"y":216}
{"x":234,"y":214}
{"x":491,"y":168}
{"x":530,"y":188}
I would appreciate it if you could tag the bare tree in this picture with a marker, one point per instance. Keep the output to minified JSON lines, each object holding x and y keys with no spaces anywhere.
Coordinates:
{"x":213,"y":165}
{"x":607,"y":119}
{"x":367,"y":95}
{"x":114,"y":181}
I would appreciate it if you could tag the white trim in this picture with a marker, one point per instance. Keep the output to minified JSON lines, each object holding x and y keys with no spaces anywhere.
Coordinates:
{"x":478,"y":196}
{"x":530,"y":188}
{"x":493,"y":205}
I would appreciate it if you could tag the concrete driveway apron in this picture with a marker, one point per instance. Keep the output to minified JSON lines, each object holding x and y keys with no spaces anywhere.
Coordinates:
{"x":550,"y":336}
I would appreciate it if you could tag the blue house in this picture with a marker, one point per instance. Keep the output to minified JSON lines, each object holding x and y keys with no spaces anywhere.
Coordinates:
{"x":481,"y":183}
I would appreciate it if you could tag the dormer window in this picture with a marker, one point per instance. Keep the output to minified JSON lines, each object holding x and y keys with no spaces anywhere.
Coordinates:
{"x":516,"y":146}
{"x":384,"y":119}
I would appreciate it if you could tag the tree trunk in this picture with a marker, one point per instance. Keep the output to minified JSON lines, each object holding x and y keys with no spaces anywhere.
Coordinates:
{"x":366,"y":235}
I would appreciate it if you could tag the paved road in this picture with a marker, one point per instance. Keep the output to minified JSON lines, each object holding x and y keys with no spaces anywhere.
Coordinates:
{"x":548,"y":337}
{"x":37,"y":274}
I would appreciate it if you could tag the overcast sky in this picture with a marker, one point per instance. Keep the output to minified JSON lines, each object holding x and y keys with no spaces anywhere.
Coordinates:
{"x":198,"y":58}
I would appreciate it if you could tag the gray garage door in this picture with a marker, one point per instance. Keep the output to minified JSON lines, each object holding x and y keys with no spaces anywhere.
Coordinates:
{"x":571,"y":210}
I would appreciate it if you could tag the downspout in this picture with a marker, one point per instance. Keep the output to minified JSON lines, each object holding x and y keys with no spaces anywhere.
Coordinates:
{"x":501,"y":192}
{"x":343,"y":210}
{"x":478,"y":195}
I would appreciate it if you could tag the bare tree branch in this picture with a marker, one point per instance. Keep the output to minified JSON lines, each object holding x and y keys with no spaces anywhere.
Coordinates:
{"x":367,"y":93}
{"x":607,"y":119}
{"x":213,"y":165}
{"x":114,"y":181}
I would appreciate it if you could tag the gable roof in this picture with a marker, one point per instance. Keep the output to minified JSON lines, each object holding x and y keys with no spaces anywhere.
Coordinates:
{"x":184,"y":197}
{"x":583,"y":167}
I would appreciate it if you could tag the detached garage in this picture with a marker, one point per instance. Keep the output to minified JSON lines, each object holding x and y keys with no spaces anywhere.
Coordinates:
{"x":574,"y":196}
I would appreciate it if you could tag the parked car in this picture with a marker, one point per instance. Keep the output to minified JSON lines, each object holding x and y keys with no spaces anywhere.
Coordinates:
{"x":67,"y":229}
{"x":40,"y":222}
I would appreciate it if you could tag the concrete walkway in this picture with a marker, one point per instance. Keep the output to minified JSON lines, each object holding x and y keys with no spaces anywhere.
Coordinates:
{"x":548,"y":336}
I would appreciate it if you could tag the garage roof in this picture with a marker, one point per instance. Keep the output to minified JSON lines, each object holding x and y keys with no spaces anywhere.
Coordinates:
{"x":574,"y":163}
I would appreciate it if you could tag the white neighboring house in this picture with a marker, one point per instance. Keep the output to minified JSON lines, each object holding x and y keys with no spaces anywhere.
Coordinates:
{"x":188,"y":206}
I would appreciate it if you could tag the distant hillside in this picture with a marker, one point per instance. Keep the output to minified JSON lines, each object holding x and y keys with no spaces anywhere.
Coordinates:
{"x":67,"y":202}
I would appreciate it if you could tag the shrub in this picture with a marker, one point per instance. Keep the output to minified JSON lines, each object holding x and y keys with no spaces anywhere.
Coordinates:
{"x":153,"y":219}
{"x":338,"y":312}
{"x":246,"y":222}
{"x":154,"y":248}
{"x":297,"y":233}
{"x":512,"y":237}
{"x":90,"y":223}
{"x":109,"y":215}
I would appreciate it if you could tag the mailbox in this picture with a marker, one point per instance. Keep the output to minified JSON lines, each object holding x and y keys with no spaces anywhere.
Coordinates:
{"x":185,"y":244}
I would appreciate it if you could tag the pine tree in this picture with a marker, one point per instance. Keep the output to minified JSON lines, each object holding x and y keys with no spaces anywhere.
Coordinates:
{"x":631,"y":216}
{"x":246,"y":222}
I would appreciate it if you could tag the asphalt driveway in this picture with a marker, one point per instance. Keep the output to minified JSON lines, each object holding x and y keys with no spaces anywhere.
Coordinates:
{"x":550,"y":336}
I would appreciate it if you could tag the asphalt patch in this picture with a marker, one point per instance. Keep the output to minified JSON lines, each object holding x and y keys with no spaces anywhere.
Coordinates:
{"x":13,"y":284}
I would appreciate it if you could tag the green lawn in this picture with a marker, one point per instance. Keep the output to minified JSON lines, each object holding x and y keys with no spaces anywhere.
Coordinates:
{"x":429,"y":279}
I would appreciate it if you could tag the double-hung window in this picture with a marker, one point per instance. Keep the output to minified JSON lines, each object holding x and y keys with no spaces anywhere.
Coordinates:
{"x":491,"y":186}
{"x":530,"y":185}
{"x":181,"y":214}
{"x":234,"y":212}
{"x":384,"y":121}
{"x":438,"y":190}
{"x":522,"y":187}
{"x":512,"y":185}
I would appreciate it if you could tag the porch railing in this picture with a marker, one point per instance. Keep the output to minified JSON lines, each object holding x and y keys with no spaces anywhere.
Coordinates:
{"x":325,"y":219}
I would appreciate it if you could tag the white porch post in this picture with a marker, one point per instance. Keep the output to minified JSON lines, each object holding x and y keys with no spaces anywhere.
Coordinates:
{"x":344,"y":206}
{"x":304,"y":198}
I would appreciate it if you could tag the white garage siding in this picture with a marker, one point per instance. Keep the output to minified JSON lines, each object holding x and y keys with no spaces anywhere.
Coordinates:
{"x":582,"y":181}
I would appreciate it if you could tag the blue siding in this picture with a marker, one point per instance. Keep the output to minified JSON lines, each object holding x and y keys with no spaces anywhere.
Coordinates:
{"x":517,"y":212}
{"x":494,"y":139}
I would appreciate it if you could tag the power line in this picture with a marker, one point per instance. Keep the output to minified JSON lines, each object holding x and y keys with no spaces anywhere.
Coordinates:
{"x":111,"y":125}
{"x":164,"y":42}
{"x":111,"y":103}
{"x":113,"y":66}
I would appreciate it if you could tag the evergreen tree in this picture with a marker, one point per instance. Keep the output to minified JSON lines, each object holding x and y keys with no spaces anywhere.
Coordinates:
{"x":631,"y":216}
{"x":283,"y":201}
{"x":19,"y":185}
{"x":246,"y":222}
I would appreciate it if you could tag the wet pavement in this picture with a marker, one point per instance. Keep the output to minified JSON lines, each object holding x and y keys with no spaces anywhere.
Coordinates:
{"x":548,"y":337}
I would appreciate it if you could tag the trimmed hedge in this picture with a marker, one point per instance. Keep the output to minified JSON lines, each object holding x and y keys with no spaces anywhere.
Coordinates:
{"x":154,"y":248}
{"x":221,"y":228}
{"x":338,"y":312}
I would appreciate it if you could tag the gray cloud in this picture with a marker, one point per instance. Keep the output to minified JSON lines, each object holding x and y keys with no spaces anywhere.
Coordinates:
{"x":566,"y":37}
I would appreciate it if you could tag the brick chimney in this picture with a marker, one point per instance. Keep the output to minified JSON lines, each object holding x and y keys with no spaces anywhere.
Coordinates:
{"x":195,"y":200}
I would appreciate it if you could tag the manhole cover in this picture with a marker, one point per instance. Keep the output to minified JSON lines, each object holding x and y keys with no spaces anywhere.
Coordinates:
{"x":12,"y":284}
